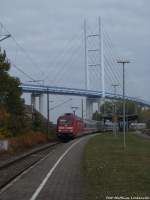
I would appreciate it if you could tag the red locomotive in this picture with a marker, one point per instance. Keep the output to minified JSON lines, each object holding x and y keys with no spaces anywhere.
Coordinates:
{"x":71,"y":126}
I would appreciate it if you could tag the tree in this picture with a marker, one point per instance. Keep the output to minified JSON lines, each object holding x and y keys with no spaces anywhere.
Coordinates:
{"x":108,"y":109}
{"x":10,"y":93}
{"x":10,"y":98}
{"x":131,"y":107}
{"x":97,"y":116}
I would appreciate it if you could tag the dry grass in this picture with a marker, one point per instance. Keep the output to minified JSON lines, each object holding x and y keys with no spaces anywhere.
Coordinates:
{"x":27,"y":141}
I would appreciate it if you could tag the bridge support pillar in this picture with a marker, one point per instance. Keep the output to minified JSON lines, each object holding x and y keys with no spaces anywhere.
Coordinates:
{"x":99,"y":106}
{"x":101,"y":102}
{"x":41,"y":104}
{"x":89,"y":108}
{"x":33,"y":101}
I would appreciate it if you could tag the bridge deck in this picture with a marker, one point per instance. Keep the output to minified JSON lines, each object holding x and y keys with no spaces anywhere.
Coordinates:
{"x":43,"y":89}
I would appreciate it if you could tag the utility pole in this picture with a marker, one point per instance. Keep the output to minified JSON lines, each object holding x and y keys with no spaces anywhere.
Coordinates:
{"x":82,"y":108}
{"x":114,"y":111}
{"x":47,"y":111}
{"x":123,"y":62}
{"x":33,"y":107}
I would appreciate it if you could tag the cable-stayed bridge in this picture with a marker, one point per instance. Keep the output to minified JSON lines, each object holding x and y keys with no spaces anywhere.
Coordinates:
{"x":91,"y":96}
{"x":99,"y":72}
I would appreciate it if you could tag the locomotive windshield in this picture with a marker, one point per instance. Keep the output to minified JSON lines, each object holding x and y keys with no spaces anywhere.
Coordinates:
{"x":63,"y":122}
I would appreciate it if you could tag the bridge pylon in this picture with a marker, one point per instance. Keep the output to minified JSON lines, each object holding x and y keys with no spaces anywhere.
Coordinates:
{"x":99,"y":65}
{"x":41,"y":104}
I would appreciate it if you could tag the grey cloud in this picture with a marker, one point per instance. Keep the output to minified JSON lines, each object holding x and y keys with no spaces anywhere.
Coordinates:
{"x":44,"y":27}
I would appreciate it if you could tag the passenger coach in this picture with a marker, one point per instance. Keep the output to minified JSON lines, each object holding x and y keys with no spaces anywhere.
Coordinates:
{"x":71,"y":126}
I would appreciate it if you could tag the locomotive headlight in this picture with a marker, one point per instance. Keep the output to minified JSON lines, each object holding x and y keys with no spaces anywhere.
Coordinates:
{"x":70,"y":129}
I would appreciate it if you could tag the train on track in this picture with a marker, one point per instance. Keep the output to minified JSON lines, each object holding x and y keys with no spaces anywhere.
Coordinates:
{"x":70,"y":126}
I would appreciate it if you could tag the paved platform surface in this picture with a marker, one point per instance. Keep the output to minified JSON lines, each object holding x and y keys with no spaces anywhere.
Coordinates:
{"x":65,"y":183}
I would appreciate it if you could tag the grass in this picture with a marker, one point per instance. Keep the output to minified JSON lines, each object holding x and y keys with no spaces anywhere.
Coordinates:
{"x":109,"y":170}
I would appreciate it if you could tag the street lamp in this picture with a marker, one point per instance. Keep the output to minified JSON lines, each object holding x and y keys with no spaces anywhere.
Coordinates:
{"x":123,"y":62}
{"x":82,"y":108}
{"x":114,"y":114}
{"x":48,"y":113}
{"x":74,"y":108}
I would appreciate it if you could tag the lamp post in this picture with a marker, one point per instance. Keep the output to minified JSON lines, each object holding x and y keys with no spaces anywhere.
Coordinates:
{"x":47,"y":111}
{"x":82,"y":108}
{"x":74,"y":108}
{"x":123,"y":62}
{"x":114,"y":123}
{"x":50,"y":110}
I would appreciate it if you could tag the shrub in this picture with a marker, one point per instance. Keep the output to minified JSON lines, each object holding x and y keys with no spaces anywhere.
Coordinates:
{"x":27,"y":140}
{"x":4,"y":134}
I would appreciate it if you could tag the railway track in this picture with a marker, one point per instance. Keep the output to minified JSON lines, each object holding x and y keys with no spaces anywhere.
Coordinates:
{"x":11,"y":170}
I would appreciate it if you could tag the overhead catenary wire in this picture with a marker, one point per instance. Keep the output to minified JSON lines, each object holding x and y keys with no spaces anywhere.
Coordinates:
{"x":22,"y":49}
{"x":20,"y":70}
{"x":58,"y":105}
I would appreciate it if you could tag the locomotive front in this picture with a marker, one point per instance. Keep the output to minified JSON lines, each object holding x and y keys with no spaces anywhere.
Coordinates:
{"x":65,"y":128}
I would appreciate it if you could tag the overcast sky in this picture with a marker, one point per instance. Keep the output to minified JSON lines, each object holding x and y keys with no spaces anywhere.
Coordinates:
{"x":52,"y":31}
